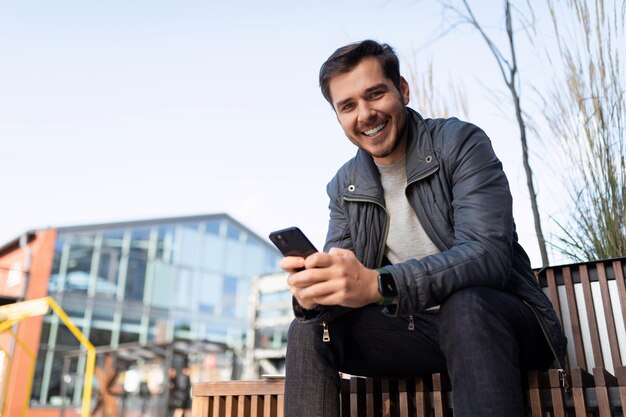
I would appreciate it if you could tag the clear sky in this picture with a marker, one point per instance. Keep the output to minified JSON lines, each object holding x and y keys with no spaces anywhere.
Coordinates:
{"x":124,"y":110}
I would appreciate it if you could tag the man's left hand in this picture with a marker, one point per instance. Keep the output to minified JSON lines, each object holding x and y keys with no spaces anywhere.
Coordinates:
{"x":335,"y":278}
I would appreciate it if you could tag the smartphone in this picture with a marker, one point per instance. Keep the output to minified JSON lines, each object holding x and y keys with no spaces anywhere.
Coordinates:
{"x":292,"y":242}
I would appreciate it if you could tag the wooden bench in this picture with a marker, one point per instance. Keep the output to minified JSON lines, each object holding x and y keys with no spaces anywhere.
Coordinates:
{"x":590,"y":300}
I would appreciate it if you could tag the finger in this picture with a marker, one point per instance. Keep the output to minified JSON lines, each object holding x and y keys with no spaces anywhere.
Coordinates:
{"x":304,"y":301}
{"x":321,"y":293}
{"x":307,"y":277}
{"x":309,"y":305}
{"x":318,"y":260}
{"x":291,"y":263}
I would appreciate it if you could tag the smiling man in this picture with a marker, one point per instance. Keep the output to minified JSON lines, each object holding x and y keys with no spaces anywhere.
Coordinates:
{"x":421,"y":271}
{"x":371,"y":110}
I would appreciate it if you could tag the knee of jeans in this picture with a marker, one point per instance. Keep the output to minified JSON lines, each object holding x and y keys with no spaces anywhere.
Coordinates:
{"x":467,"y":309}
{"x":302,"y":333}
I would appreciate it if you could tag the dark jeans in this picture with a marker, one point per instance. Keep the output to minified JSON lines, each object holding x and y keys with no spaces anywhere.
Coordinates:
{"x":483,"y":338}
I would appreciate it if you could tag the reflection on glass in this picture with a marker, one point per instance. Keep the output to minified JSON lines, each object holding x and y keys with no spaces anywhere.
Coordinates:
{"x":165,"y":239}
{"x":183,"y":289}
{"x":232,"y":232}
{"x":140,"y":238}
{"x":78,"y":267}
{"x":108,"y":271}
{"x":212,"y":253}
{"x":213,"y":227}
{"x":163,"y":285}
{"x":229,"y":296}
{"x":182,"y":329}
{"x":209,"y":292}
{"x":100,"y":337}
{"x":136,"y":275}
{"x":65,"y":339}
{"x":190,"y":246}
{"x":234,"y":254}
{"x":131,"y":327}
{"x":53,"y":283}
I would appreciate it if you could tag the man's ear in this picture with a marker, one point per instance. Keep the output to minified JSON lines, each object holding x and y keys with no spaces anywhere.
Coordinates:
{"x":404,"y":91}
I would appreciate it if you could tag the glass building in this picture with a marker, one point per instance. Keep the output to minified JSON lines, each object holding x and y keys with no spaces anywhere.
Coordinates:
{"x":149,"y":281}
{"x":270,"y":317}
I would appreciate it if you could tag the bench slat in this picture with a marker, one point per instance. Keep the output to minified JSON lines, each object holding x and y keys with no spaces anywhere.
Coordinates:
{"x":592,"y":321}
{"x":620,"y":373}
{"x":243,"y":406}
{"x":581,"y":380}
{"x":581,"y":360}
{"x":620,"y":278}
{"x":608,"y":316}
{"x":200,"y":406}
{"x":535,"y":385}
{"x":263,"y":387}
{"x":440,"y":388}
{"x":603,"y":380}
{"x":256,"y":405}
{"x":556,"y":393}
{"x":403,"y":398}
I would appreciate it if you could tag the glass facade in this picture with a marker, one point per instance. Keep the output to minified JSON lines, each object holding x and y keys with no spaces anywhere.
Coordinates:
{"x":149,"y":282}
{"x":266,"y":344}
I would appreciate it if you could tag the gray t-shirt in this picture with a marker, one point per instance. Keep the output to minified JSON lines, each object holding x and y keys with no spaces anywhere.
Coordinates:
{"x":407,"y":238}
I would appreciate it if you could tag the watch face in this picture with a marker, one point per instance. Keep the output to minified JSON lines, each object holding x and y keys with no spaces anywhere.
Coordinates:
{"x":386,"y":285}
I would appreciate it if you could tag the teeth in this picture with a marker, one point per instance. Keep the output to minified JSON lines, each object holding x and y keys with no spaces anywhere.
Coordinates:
{"x":375,"y":130}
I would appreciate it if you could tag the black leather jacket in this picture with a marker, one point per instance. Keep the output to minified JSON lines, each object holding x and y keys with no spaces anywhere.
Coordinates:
{"x":461,"y":196}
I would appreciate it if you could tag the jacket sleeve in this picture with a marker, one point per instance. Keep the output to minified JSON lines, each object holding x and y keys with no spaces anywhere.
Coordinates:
{"x":480,"y":252}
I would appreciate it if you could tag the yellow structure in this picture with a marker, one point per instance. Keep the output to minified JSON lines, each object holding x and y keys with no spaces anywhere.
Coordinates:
{"x":11,"y":314}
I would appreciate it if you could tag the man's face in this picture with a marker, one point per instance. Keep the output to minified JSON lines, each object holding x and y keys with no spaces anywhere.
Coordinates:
{"x":371,"y":111}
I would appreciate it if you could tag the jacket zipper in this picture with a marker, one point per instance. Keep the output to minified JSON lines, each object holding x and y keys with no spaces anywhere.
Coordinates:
{"x":426,"y":220}
{"x":411,"y":324}
{"x":561,"y":370}
{"x":379,"y":261}
{"x":381,"y":251}
{"x":325,"y":333}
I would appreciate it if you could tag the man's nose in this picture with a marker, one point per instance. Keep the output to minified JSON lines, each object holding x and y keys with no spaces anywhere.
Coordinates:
{"x":366,"y":112}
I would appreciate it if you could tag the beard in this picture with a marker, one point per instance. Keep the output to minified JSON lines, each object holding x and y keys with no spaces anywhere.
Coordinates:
{"x":386,"y":146}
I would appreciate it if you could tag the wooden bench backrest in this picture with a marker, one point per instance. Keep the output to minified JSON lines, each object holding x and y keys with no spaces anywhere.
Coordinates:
{"x":590,"y":300}
{"x":239,"y":398}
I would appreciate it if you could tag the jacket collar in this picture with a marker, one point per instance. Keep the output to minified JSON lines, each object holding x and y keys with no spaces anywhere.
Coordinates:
{"x":421,"y":161}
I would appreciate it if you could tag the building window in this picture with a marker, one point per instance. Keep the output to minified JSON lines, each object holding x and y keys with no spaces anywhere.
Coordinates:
{"x":229,"y":296}
{"x":78,"y":268}
{"x":136,"y":274}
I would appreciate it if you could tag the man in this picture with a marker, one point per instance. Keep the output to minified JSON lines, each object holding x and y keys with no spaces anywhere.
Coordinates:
{"x":422,"y":271}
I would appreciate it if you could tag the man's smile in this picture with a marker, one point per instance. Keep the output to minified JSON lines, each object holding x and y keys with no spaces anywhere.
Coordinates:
{"x":373,"y":131}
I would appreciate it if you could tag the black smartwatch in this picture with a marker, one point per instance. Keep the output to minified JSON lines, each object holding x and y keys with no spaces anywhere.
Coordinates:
{"x":387,"y":287}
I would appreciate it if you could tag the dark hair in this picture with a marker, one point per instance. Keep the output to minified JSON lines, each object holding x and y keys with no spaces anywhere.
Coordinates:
{"x":347,"y":57}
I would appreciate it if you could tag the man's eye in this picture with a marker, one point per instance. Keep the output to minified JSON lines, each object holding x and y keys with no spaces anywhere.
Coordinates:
{"x":375,"y":95}
{"x":347,"y":107}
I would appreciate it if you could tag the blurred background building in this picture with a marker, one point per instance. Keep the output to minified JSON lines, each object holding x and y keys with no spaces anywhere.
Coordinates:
{"x":150,"y":295}
{"x":270,"y":316}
